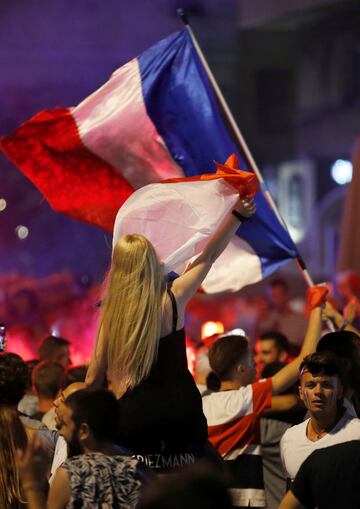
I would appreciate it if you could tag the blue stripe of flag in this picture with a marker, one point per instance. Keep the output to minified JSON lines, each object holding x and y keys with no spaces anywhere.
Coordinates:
{"x":180,"y":102}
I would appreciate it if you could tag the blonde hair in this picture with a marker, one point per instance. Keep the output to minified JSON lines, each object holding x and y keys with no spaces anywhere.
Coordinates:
{"x":12,"y":437}
{"x":130,"y":316}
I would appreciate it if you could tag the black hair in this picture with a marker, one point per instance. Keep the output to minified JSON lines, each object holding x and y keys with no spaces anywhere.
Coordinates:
{"x":224,"y":354}
{"x":341,"y":343}
{"x":322,"y":363}
{"x":13,"y":378}
{"x":280,"y":340}
{"x":76,"y":374}
{"x":272,"y":368}
{"x":98,"y":409}
{"x":345,"y":346}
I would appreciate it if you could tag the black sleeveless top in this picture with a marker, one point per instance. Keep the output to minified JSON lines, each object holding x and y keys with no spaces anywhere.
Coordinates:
{"x":164,"y":412}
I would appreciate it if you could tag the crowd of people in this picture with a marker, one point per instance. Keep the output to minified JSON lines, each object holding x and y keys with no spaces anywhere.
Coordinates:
{"x":275,"y":425}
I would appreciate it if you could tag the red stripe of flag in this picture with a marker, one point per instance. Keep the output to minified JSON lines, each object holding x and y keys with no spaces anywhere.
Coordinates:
{"x":49,"y":151}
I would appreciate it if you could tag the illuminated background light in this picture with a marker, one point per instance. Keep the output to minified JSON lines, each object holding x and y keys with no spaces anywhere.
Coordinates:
{"x":210,"y":328}
{"x":235,"y":332}
{"x":341,"y":172}
{"x":55,"y":331}
{"x":22,"y":232}
{"x":2,"y":204}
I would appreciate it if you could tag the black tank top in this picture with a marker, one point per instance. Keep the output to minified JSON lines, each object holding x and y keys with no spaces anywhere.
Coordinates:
{"x":164,"y":412}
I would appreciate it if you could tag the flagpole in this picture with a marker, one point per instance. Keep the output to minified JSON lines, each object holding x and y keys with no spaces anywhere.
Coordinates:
{"x":264,"y":188}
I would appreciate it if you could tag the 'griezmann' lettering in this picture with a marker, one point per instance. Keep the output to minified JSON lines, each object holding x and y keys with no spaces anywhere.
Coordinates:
{"x":166,"y":461}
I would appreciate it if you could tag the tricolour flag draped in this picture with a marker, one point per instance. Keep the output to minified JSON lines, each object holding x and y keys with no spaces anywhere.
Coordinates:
{"x":155,"y":119}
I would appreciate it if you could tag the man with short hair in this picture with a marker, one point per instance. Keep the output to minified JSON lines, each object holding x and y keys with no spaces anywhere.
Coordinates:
{"x":97,"y":473}
{"x":272,"y":347}
{"x":61,"y":452}
{"x":47,"y":380}
{"x":234,"y":407}
{"x":88,"y":422}
{"x":55,"y":349}
{"x":321,"y":390}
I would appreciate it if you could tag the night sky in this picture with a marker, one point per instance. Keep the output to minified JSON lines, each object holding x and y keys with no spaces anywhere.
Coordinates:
{"x":56,"y":54}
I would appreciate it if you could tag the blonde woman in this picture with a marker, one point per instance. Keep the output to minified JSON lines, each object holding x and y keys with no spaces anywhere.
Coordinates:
{"x":141,"y":346}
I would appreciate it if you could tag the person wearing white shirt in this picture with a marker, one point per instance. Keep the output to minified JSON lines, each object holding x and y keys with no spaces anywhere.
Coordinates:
{"x":329,"y":423}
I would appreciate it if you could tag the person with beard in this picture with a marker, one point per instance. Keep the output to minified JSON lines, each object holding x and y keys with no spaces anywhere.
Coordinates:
{"x":97,"y":474}
{"x":61,"y":449}
{"x":272,"y":347}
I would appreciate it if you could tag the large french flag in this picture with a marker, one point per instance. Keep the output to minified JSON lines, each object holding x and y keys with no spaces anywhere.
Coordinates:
{"x":155,"y":119}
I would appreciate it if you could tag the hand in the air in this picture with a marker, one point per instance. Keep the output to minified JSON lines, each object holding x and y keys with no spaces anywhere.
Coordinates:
{"x":246,"y":207}
{"x":328,"y":311}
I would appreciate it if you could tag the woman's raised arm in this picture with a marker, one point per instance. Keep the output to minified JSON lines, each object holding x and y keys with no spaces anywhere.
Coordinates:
{"x":185,"y":286}
{"x":288,"y":375}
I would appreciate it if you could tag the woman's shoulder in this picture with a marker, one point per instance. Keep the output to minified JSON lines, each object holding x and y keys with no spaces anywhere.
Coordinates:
{"x":172,"y":319}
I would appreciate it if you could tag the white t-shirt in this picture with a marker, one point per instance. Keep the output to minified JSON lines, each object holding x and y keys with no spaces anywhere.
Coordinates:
{"x":295,"y":446}
{"x":60,"y":455}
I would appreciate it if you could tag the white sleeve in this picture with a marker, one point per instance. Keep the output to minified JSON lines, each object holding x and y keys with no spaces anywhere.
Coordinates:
{"x":283,"y":453}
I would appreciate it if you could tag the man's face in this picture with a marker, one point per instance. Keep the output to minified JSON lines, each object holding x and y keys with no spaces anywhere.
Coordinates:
{"x":63,"y":357}
{"x":320,"y":393}
{"x":267,"y":352}
{"x":69,"y":431}
{"x":59,"y":404}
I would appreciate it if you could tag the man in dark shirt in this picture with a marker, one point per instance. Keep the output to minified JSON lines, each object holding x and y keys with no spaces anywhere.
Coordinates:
{"x":328,"y":479}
